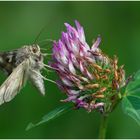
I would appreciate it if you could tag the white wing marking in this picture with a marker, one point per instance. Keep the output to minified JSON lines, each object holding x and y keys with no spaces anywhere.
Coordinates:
{"x":14,"y":82}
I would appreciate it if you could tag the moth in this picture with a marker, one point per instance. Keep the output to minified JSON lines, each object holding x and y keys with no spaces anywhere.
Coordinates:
{"x":25,"y":63}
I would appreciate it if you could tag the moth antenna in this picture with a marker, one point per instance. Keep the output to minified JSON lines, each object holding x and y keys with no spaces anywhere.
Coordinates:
{"x":44,"y":77}
{"x":53,"y":18}
{"x":37,"y":37}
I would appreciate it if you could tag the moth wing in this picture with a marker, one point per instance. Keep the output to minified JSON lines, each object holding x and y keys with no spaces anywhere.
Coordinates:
{"x":36,"y":79}
{"x":13,"y":83}
{"x":8,"y":61}
{"x":11,"y":59}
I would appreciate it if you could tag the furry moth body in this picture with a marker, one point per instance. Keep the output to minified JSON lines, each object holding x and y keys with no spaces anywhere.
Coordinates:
{"x":21,"y":65}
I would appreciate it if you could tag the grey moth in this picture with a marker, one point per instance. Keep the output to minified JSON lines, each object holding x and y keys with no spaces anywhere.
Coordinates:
{"x":21,"y":65}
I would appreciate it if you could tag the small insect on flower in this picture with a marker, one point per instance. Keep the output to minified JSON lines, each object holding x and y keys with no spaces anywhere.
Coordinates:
{"x":21,"y":65}
{"x":89,"y":77}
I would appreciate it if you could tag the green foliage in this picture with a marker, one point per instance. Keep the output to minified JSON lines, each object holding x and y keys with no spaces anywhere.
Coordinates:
{"x":51,"y":115}
{"x":131,"y":106}
{"x":134,"y":83}
{"x":131,"y":102}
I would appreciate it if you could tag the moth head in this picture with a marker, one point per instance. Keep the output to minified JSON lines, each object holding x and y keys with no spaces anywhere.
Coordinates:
{"x":36,"y":56}
{"x":35,"y":49}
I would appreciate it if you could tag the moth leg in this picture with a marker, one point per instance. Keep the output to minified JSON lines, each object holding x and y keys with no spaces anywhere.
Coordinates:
{"x":44,"y":77}
{"x":49,"y":67}
{"x":46,"y":54}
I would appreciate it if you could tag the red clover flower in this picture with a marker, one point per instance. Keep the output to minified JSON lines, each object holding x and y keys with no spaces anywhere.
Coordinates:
{"x":90,"y":79}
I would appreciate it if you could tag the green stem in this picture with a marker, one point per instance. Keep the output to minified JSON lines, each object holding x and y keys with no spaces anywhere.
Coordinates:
{"x":103,"y":127}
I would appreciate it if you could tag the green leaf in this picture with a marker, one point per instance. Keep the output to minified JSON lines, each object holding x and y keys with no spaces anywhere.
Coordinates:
{"x":131,"y":100}
{"x":137,"y":75}
{"x":51,"y":115}
{"x":134,"y":83}
{"x":131,"y":107}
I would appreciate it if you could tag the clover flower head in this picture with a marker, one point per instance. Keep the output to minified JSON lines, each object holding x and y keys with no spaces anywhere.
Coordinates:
{"x":90,"y":79}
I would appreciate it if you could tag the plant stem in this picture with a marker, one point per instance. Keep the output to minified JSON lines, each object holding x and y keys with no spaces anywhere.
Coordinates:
{"x":103,"y":127}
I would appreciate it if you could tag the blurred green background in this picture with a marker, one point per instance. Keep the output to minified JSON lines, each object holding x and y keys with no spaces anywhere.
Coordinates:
{"x":118,"y":23}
